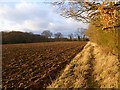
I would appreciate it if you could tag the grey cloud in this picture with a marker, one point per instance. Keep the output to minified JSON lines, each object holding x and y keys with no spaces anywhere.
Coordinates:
{"x":41,"y":17}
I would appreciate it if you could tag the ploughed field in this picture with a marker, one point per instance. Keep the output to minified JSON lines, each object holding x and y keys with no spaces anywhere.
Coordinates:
{"x":36,"y":65}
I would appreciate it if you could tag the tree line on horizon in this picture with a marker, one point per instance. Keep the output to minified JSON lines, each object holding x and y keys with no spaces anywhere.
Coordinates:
{"x":14,"y":37}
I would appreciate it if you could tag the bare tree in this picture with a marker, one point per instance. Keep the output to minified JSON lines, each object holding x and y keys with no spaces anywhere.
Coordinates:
{"x":83,"y":10}
{"x":70,"y":36}
{"x":80,"y":33}
{"x":77,"y":34}
{"x":47,"y":33}
{"x":58,"y":35}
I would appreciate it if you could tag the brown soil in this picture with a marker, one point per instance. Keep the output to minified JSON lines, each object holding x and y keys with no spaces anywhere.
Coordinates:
{"x":36,"y":65}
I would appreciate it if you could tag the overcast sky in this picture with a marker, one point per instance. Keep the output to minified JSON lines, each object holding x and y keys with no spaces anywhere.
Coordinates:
{"x":34,"y":16}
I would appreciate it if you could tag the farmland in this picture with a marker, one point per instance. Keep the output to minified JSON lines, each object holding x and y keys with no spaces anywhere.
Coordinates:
{"x":36,"y":65}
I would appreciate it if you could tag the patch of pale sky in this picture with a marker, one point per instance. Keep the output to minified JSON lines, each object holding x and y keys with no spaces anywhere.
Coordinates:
{"x":35,"y":17}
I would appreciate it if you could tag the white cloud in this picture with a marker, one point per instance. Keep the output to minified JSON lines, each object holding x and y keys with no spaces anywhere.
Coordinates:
{"x":34,"y":17}
{"x":29,"y":24}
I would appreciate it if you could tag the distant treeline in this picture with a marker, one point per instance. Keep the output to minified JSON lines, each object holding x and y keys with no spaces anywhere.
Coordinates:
{"x":25,"y":37}
{"x":14,"y":37}
{"x":21,"y":37}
